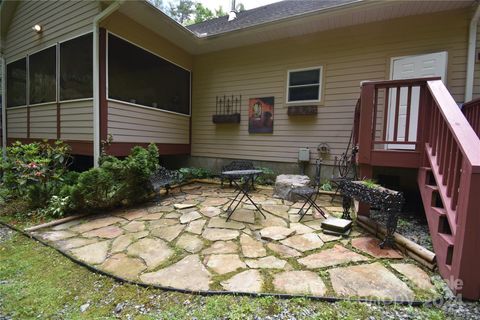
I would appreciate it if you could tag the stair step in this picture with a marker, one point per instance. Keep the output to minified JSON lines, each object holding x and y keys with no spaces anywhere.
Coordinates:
{"x":440,"y":211}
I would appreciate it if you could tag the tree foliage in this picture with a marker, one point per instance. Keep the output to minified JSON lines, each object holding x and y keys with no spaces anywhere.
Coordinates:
{"x":189,"y":12}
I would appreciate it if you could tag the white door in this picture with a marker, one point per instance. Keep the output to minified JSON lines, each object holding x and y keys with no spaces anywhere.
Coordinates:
{"x":419,"y":66}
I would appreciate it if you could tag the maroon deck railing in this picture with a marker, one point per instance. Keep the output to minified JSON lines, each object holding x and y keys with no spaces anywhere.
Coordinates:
{"x":471,"y":110}
{"x":445,"y":144}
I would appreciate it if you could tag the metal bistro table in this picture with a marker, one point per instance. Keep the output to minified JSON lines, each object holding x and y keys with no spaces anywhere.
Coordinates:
{"x":246,"y":178}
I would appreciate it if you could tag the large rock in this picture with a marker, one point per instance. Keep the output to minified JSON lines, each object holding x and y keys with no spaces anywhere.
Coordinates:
{"x":286,"y":182}
{"x":413,"y":273}
{"x":153,"y":251}
{"x":331,"y":257}
{"x":276,"y":233}
{"x":123,"y":266}
{"x":94,"y":253}
{"x":224,"y":263}
{"x":188,"y":274}
{"x":252,"y":248}
{"x":190,"y":243}
{"x":304,"y":242}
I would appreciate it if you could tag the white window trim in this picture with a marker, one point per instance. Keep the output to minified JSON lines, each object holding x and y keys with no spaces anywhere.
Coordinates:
{"x":320,"y":85}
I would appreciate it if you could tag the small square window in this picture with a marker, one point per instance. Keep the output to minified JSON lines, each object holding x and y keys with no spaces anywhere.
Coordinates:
{"x":304,"y":85}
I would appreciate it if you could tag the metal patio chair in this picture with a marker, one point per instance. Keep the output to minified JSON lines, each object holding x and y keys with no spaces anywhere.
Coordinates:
{"x":310,"y":194}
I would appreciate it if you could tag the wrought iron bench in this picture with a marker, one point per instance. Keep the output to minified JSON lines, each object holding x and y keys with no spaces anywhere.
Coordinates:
{"x":235,"y":166}
{"x":164,"y":178}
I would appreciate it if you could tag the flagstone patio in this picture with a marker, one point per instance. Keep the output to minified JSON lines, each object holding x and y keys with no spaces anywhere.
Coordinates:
{"x":184,"y":241}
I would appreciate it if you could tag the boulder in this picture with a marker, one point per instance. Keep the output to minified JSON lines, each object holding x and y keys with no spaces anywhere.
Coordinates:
{"x":286,"y":182}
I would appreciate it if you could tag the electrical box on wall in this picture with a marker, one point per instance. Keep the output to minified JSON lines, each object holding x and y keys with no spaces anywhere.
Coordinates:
{"x":303,"y":154}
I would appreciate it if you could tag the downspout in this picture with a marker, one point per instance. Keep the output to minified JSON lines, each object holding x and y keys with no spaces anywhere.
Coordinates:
{"x":4,"y":105}
{"x":96,"y":77}
{"x":472,"y":47}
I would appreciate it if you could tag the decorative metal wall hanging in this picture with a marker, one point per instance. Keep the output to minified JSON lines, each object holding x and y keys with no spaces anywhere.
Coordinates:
{"x":302,"y":110}
{"x":227,"y":109}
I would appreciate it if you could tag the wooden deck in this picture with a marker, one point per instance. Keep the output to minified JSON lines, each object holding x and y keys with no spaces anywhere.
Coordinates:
{"x":446,"y":151}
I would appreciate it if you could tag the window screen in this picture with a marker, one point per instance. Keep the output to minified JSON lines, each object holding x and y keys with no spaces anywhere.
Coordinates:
{"x":17,"y":83}
{"x":304,"y":85}
{"x":42,"y":79}
{"x":137,"y":76}
{"x":76,"y":68}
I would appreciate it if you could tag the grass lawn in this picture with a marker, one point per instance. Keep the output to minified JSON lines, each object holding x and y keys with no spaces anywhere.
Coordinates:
{"x":38,"y":282}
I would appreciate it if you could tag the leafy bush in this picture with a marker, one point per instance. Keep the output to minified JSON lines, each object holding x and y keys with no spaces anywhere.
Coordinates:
{"x":195,"y":173}
{"x":267,"y":177}
{"x":116,"y":181}
{"x":34,"y":171}
{"x":326,"y":186}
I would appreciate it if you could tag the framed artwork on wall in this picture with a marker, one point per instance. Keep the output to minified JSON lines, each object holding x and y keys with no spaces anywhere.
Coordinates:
{"x":260,"y":115}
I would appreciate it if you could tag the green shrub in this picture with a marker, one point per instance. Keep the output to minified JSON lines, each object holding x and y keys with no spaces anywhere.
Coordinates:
{"x":195,"y":173}
{"x":116,"y":181}
{"x":267,"y":177}
{"x":34,"y":171}
{"x":326,"y":185}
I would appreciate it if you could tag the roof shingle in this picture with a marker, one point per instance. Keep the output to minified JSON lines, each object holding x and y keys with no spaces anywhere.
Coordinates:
{"x":272,"y":12}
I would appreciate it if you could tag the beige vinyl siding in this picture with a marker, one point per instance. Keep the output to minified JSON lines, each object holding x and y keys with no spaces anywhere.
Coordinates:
{"x":476,"y":83}
{"x":43,"y":121}
{"x":128,"y":123}
{"x":132,"y":31}
{"x":17,"y":122}
{"x":348,"y":55}
{"x":60,"y":20}
{"x":76,"y":120}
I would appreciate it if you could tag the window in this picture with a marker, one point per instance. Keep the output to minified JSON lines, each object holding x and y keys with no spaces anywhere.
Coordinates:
{"x":304,"y":85}
{"x":42,"y":76}
{"x":140,"y":77}
{"x":76,"y":68}
{"x":17,"y":83}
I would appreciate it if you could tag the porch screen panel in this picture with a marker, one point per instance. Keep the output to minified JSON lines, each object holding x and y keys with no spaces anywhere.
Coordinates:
{"x":42,"y":76}
{"x":17,"y":83}
{"x":140,"y":77}
{"x":76,"y":68}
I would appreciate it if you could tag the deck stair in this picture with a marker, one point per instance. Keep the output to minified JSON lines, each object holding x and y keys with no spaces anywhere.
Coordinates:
{"x":446,"y":153}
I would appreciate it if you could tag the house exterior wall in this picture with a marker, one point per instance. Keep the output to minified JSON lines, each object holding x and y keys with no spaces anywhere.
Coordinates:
{"x":61,"y":20}
{"x":348,"y":56}
{"x":129,"y":123}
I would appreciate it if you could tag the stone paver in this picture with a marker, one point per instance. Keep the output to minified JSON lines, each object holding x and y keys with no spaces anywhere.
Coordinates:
{"x":181,"y":206}
{"x":108,"y":232}
{"x":300,"y":228}
{"x":121,"y":243}
{"x":299,"y":282}
{"x":413,"y":273}
{"x":123,"y":266}
{"x":252,"y":248}
{"x":269,"y":262}
{"x":224,"y":263}
{"x":244,"y":215}
{"x":221,"y":247}
{"x":169,"y":233}
{"x":190,"y":243}
{"x":276,"y":233}
{"x":283,"y":251}
{"x":152,"y":251}
{"x":188,"y":274}
{"x":370,"y":245}
{"x":144,"y":243}
{"x":190,"y":216}
{"x":222,"y":223}
{"x":369,"y":280}
{"x":134,"y":226}
{"x":57,"y":235}
{"x":279,"y":210}
{"x":331,"y":257}
{"x":95,"y":224}
{"x":210,"y":211}
{"x":220,"y":234}
{"x":246,"y":281}
{"x":71,"y":243}
{"x":304,"y":242}
{"x":94,"y":253}
{"x":196,"y":226}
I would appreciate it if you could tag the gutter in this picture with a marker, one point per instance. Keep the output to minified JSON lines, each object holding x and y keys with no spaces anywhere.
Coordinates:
{"x":96,"y":77}
{"x":472,"y":44}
